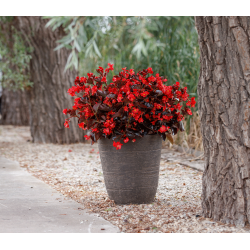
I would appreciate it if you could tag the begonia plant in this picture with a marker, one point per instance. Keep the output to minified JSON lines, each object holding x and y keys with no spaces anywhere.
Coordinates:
{"x":131,"y":106}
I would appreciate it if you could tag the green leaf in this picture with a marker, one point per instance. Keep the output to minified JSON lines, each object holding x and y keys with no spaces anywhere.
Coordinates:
{"x":96,"y":49}
{"x":68,"y":64}
{"x":77,"y":45}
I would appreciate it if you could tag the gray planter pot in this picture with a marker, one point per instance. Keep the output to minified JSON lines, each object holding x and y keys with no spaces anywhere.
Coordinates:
{"x":131,"y":174}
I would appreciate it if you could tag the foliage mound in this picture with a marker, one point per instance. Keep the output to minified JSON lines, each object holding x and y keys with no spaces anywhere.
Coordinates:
{"x":132,"y":105}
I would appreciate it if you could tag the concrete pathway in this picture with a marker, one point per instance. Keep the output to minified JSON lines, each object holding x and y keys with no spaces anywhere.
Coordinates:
{"x":28,"y":205}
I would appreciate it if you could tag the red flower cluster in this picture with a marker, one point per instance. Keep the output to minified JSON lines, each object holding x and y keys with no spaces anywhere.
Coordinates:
{"x":132,"y":105}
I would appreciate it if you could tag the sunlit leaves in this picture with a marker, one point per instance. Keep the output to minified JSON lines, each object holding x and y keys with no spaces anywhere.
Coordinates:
{"x":81,"y":36}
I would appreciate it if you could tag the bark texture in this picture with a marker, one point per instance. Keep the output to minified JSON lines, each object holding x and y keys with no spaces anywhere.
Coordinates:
{"x":224,"y":102}
{"x":15,"y":108}
{"x":48,"y":96}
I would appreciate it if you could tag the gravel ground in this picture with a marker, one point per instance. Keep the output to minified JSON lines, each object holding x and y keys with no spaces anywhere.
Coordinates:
{"x":75,"y":170}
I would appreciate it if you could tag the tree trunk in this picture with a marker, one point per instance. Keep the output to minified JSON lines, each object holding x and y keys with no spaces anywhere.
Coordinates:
{"x":224,"y":102}
{"x":49,"y":93}
{"x":14,"y":108}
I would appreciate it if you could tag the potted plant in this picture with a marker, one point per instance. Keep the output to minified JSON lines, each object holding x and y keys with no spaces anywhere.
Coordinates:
{"x":129,"y":117}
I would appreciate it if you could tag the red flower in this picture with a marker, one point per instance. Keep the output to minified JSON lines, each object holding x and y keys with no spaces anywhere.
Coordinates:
{"x":87,"y":90}
{"x":107,"y":101}
{"x":104,"y":79}
{"x":83,"y":79}
{"x":131,"y":97}
{"x":179,"y":117}
{"x":140,"y":120}
{"x":178,"y":106}
{"x":94,"y":89}
{"x":109,"y":124}
{"x":101,"y":69}
{"x":150,"y":71}
{"x":87,"y":137}
{"x":131,"y":72}
{"x":144,"y":93}
{"x":133,"y":140}
{"x":106,"y":131}
{"x":111,"y":66}
{"x":157,"y":105}
{"x":136,"y":92}
{"x":119,"y":98}
{"x":95,"y":130}
{"x":66,"y":124}
{"x":151,"y":79}
{"x":178,"y":94}
{"x":133,"y":104}
{"x":189,"y":111}
{"x":168,"y":91}
{"x":72,"y":91}
{"x":163,"y":129}
{"x":168,"y":118}
{"x":164,"y":99}
{"x":81,"y":125}
{"x":185,"y":96}
{"x":117,"y":145}
{"x":112,"y":90}
{"x":126,"y":140}
{"x":193,"y":102}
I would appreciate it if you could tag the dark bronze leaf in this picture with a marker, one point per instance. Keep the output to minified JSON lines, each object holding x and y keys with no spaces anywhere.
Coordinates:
{"x":97,"y":136}
{"x":96,"y":106}
{"x":104,"y":107}
{"x":163,"y":136}
{"x":119,"y":113}
{"x":102,"y":93}
{"x":90,"y":80}
{"x":90,"y":123}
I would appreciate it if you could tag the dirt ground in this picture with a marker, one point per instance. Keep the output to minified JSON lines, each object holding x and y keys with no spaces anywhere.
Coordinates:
{"x":75,"y":170}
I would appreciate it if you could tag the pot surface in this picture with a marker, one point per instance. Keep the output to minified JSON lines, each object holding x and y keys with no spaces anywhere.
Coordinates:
{"x":131,"y":174}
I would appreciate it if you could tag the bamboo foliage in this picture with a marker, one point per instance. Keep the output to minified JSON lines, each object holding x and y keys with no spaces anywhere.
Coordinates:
{"x":167,"y":44}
